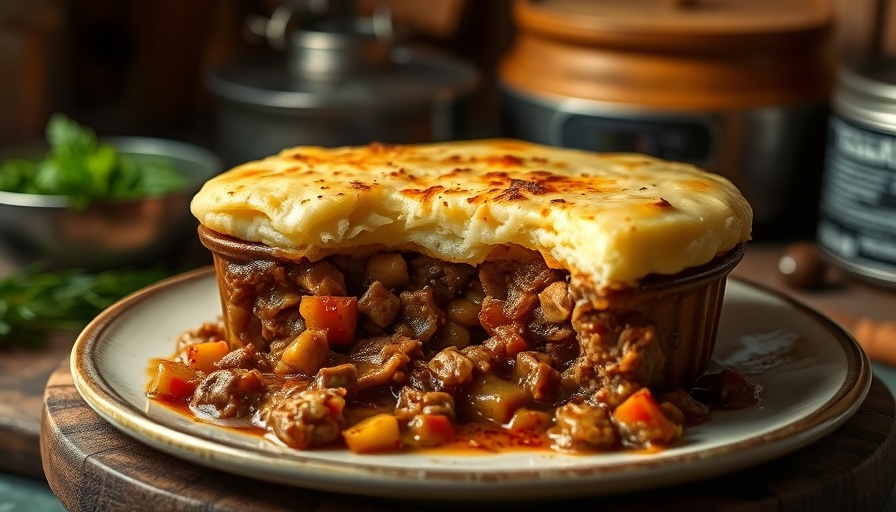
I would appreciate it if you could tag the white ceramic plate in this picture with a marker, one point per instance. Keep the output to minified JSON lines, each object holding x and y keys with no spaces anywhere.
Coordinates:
{"x":813,"y":376}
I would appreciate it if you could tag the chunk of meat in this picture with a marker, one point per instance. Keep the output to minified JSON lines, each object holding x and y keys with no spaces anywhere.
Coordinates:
{"x":306,"y":418}
{"x":451,"y":369}
{"x":483,"y":359}
{"x":517,"y":283}
{"x":583,"y":427}
{"x":247,"y":358}
{"x":320,"y":278}
{"x":412,"y":402}
{"x":231,"y":393}
{"x":419,"y":316}
{"x":534,"y":371}
{"x":379,"y":304}
{"x":383,"y":360}
{"x":341,"y":376}
{"x":556,"y":302}
{"x":445,"y":278}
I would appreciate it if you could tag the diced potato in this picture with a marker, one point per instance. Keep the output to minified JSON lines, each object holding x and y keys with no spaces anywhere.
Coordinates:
{"x":452,"y":334}
{"x":464,"y":312}
{"x":336,"y":315}
{"x":390,"y":269}
{"x":173,"y":381}
{"x":377,"y":433}
{"x":529,"y":420}
{"x":492,"y":399}
{"x":430,"y":429}
{"x":306,"y":354}
{"x":203,"y":356}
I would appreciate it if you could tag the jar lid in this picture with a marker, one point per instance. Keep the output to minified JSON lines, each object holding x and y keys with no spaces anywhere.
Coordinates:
{"x":867,"y":91}
{"x":875,"y":76}
{"x":676,"y":24}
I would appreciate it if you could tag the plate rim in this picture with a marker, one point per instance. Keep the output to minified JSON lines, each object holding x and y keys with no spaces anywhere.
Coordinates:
{"x":459,"y":484}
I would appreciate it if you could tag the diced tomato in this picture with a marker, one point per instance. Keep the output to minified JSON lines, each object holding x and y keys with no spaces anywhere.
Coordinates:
{"x":173,"y":381}
{"x":336,"y":315}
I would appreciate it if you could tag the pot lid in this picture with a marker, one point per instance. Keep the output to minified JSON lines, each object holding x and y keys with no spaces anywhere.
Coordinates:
{"x":679,"y":23}
{"x":415,"y":77}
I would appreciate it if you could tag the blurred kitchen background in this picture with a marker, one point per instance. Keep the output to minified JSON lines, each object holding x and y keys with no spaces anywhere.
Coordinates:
{"x":600,"y":75}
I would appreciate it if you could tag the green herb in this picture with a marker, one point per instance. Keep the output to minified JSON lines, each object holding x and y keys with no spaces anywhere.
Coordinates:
{"x":35,"y":302}
{"x":83,"y":169}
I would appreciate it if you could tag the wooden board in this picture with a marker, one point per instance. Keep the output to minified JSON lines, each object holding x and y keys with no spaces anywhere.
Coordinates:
{"x":92,"y":466}
{"x":23,"y":377}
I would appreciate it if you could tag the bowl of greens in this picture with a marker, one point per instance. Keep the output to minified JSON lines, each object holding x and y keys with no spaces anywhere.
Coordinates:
{"x":77,"y":201}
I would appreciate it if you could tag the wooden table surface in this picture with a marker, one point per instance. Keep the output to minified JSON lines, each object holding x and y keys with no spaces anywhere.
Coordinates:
{"x":23,"y":373}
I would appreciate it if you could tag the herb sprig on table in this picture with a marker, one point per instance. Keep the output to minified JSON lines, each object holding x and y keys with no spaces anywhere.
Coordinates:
{"x":83,"y":169}
{"x":35,"y":302}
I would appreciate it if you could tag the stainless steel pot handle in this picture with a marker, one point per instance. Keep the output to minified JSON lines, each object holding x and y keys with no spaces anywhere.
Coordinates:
{"x":275,"y":28}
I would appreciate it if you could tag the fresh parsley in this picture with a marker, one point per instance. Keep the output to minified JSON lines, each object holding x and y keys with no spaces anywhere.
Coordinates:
{"x":82,"y":168}
{"x":35,"y":302}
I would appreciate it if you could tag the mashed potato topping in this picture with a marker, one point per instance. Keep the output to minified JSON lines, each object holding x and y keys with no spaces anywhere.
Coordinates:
{"x":605,"y":218}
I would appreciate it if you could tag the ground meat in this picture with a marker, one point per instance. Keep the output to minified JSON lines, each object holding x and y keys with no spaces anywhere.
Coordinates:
{"x":231,"y":393}
{"x":616,"y":358}
{"x":307,"y":418}
{"x":583,"y":427}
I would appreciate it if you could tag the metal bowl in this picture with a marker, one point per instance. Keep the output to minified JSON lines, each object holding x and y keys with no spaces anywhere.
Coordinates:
{"x":106,"y":234}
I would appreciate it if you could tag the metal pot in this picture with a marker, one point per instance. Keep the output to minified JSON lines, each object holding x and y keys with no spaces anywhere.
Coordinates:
{"x":738,"y":87}
{"x":338,"y":82}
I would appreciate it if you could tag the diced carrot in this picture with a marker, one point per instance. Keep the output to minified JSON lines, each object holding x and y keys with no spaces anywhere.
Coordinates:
{"x":203,"y":356}
{"x":641,"y":408}
{"x":374,"y":434}
{"x":173,"y":381}
{"x":336,"y":315}
{"x":642,"y":422}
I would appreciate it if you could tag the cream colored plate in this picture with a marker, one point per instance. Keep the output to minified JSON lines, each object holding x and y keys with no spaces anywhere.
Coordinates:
{"x":813,"y":375}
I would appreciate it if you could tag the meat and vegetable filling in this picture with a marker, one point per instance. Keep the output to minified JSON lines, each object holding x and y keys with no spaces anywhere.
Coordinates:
{"x":400,"y":350}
